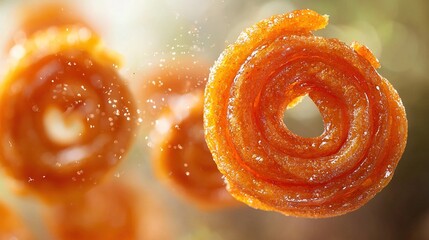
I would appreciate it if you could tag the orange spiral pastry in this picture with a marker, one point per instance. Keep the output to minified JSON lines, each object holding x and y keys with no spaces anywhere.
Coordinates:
{"x":163,"y":84}
{"x":11,"y":226}
{"x":34,"y":17}
{"x":112,"y":210}
{"x":266,"y":165}
{"x":182,"y":158}
{"x":66,"y":115}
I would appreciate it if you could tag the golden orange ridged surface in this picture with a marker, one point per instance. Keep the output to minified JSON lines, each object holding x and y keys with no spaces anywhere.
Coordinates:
{"x":11,"y":226}
{"x":67,"y":116}
{"x":182,"y":158}
{"x":266,"y":165}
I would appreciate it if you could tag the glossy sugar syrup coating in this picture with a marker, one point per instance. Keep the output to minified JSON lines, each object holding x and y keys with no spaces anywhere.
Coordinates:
{"x":67,"y":116}
{"x":266,"y":165}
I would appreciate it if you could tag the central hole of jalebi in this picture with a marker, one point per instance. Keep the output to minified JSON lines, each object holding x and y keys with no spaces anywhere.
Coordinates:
{"x":63,"y":128}
{"x":303,"y":118}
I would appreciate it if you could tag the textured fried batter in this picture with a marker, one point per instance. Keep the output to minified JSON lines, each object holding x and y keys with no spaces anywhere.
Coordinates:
{"x":269,"y":167}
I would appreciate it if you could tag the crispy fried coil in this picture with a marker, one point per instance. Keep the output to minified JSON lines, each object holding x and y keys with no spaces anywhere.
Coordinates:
{"x":166,"y":83}
{"x":182,"y":158}
{"x":29,"y":20}
{"x":107,"y":211}
{"x":172,"y":98}
{"x":67,"y":116}
{"x":265,"y":164}
{"x":114,"y":209}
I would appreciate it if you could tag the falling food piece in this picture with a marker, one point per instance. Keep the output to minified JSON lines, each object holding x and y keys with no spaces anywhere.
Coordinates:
{"x":182,"y":158}
{"x":164,"y":83}
{"x":67,"y":116}
{"x":34,"y":17}
{"x":55,"y":14}
{"x":267,"y":166}
{"x":172,"y":100}
{"x":11,"y":226}
{"x":112,"y":210}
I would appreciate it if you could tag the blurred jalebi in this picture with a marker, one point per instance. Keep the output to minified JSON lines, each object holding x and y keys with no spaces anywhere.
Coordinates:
{"x":11,"y":226}
{"x":165,"y":83}
{"x":173,"y":100}
{"x":181,"y":157}
{"x":67,"y":116}
{"x":115,"y":209}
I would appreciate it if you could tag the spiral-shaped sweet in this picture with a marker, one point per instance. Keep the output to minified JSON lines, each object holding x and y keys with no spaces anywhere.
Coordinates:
{"x":266,"y":165}
{"x":11,"y":225}
{"x":29,"y":20}
{"x":172,"y":101}
{"x":167,"y":82}
{"x":111,"y":210}
{"x":66,"y":115}
{"x":182,"y":158}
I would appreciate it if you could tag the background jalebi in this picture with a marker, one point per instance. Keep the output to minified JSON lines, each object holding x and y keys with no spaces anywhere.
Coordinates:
{"x":149,"y":32}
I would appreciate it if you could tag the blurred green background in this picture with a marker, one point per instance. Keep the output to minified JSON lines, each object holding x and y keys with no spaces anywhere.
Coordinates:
{"x":147,"y":32}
